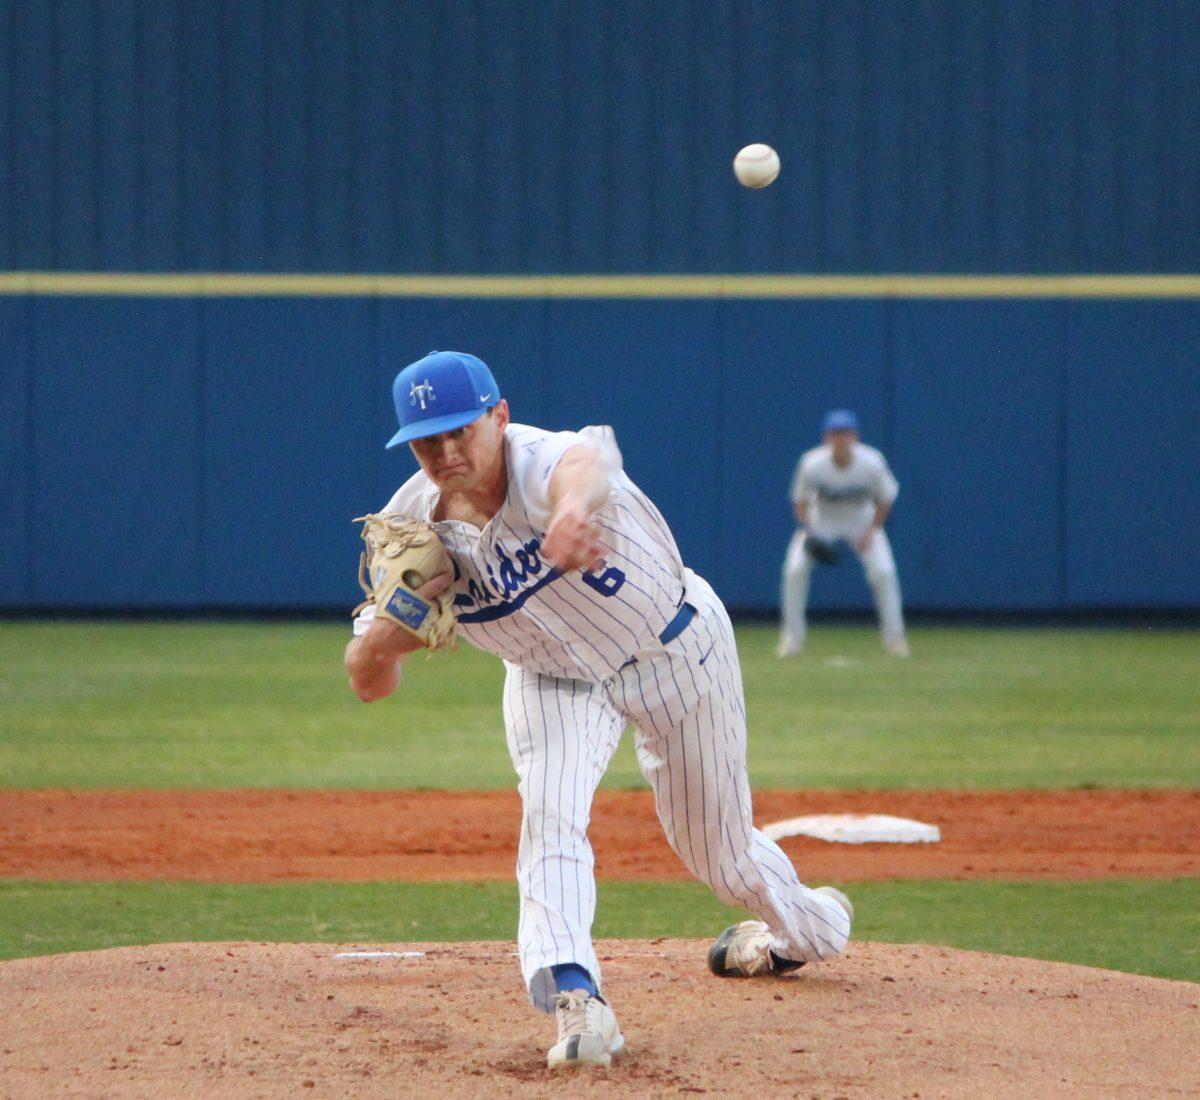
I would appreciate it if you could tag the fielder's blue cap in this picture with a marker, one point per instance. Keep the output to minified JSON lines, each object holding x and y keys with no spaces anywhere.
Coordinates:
{"x":441,"y":392}
{"x":841,"y":420}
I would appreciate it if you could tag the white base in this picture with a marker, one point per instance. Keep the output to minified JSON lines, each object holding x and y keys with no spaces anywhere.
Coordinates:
{"x":856,"y":829}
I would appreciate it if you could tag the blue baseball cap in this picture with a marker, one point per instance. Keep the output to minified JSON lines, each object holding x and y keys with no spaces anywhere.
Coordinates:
{"x":441,"y":392}
{"x":840,"y":420}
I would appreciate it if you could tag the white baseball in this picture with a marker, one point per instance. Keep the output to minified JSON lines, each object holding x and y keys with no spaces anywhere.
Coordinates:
{"x":756,"y":166}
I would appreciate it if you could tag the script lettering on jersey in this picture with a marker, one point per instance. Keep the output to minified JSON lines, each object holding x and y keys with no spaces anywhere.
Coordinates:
{"x":843,"y":494}
{"x":512,"y":578}
{"x":508,"y":576}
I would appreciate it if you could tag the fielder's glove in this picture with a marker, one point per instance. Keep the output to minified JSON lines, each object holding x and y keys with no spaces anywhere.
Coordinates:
{"x":821,"y":551}
{"x":401,"y":555}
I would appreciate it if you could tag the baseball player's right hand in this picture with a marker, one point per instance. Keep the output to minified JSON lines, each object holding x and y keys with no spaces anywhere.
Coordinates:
{"x":572,"y":539}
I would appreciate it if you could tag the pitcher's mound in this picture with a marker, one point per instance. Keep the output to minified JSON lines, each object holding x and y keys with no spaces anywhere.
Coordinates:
{"x":241,"y":1020}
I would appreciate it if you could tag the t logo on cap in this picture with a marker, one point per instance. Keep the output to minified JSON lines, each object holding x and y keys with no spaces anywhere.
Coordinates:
{"x":421,"y":393}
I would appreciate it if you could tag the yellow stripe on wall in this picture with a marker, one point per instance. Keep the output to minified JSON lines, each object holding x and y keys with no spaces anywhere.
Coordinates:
{"x":112,"y":284}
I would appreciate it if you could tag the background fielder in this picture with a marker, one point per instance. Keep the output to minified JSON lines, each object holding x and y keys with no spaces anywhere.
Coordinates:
{"x":842,"y":492}
{"x":565,"y":569}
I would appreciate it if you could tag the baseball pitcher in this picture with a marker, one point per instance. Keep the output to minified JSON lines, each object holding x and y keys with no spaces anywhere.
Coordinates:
{"x":537,"y":547}
{"x":842,"y":493}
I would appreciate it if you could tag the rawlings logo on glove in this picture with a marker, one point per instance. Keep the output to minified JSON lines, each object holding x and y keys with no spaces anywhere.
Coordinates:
{"x":401,"y":556}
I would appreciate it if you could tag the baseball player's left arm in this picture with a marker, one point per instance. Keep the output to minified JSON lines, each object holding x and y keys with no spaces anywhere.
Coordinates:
{"x":886,"y":489}
{"x":374,"y":660}
{"x":883,"y":509}
{"x":579,"y":488}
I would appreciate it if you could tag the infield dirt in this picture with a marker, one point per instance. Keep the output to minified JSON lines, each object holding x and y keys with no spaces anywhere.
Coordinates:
{"x":275,"y":1020}
{"x":273,"y":835}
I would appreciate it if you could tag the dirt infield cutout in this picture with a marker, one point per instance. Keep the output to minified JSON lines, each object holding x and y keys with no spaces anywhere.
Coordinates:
{"x":280,"y":835}
{"x":276,"y":1020}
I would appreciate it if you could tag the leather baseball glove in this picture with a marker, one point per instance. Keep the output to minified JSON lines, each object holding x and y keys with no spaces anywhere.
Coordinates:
{"x":401,"y":555}
{"x":821,"y":551}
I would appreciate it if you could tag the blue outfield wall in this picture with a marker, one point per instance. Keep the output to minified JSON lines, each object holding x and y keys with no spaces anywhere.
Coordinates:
{"x":594,"y":136}
{"x":210,"y":452}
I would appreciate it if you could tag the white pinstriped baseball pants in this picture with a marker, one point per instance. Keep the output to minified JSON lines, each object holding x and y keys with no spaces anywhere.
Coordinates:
{"x":685,"y":700}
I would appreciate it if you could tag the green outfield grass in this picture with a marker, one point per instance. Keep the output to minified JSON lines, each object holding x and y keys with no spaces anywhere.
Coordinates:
{"x":228,"y":705}
{"x":1144,"y":927}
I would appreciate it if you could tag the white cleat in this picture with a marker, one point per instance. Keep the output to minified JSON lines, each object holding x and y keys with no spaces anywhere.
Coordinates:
{"x":587,"y":1032}
{"x":898,"y":649}
{"x":839,"y":897}
{"x":744,"y":951}
{"x":788,"y":647}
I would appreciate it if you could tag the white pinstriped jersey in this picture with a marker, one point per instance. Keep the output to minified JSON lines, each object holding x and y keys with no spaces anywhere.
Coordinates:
{"x":584,"y":658}
{"x":510,"y":602}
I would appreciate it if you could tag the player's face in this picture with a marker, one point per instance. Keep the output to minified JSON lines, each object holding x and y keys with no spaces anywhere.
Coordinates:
{"x":841,"y":443}
{"x":466,"y":458}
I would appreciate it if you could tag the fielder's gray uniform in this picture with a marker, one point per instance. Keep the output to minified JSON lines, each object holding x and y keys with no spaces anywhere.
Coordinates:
{"x":841,"y":504}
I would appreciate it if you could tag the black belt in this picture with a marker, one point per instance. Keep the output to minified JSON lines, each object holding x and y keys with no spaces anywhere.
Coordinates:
{"x":679,"y":624}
